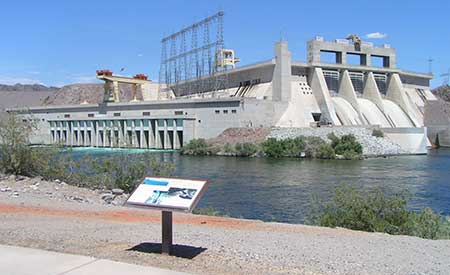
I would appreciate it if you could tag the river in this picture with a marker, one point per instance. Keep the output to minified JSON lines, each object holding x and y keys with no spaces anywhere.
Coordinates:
{"x":282,"y":189}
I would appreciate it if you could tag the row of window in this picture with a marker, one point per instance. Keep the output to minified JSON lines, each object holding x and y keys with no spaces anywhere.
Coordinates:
{"x":117,"y":123}
{"x":177,"y":113}
{"x":234,"y":111}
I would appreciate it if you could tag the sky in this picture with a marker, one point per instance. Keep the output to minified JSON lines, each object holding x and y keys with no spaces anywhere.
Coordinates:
{"x":63,"y":42}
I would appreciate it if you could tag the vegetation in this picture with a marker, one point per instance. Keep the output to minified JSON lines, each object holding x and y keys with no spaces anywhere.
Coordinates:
{"x":245,"y":149}
{"x":208,"y":211}
{"x":376,"y":212}
{"x":377,"y":133}
{"x":117,"y":171}
{"x":345,"y":147}
{"x":196,"y":147}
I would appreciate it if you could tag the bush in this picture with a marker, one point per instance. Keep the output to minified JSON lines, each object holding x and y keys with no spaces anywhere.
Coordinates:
{"x":209,"y":211}
{"x":16,"y":157}
{"x":377,"y":133}
{"x":376,"y":212}
{"x":347,"y":146}
{"x":326,"y":152}
{"x":245,"y":149}
{"x":196,"y":147}
{"x":273,"y":148}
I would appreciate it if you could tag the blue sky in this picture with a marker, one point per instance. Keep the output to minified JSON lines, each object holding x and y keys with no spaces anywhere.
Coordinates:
{"x":63,"y":42}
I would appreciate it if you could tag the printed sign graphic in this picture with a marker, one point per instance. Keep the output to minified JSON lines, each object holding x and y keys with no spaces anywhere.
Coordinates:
{"x":168,"y":193}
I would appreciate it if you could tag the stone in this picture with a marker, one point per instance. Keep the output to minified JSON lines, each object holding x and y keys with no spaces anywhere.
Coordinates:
{"x":6,"y":189}
{"x":57,"y":181}
{"x":117,"y":191}
{"x":12,"y":177}
{"x":108,"y":198}
{"x":20,"y":178}
{"x":77,"y":199}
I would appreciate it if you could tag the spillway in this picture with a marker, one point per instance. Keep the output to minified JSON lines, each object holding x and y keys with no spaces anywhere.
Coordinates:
{"x":345,"y":112}
{"x":396,"y":115}
{"x":372,"y":113}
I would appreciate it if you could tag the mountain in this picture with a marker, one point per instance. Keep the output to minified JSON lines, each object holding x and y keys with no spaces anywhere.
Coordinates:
{"x":442,"y":92}
{"x":26,"y":88}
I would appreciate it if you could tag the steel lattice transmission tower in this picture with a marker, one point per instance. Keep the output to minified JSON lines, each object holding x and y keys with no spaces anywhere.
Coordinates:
{"x":190,"y":58}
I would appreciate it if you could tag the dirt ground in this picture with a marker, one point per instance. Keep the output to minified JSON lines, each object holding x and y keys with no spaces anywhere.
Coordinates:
{"x":79,"y":221}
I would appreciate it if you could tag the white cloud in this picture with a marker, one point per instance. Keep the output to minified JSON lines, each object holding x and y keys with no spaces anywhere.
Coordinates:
{"x":12,"y":80}
{"x":376,"y":35}
{"x":140,"y":55}
{"x":84,"y":79}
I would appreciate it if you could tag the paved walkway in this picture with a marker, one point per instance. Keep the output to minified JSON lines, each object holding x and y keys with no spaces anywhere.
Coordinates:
{"x":23,"y":261}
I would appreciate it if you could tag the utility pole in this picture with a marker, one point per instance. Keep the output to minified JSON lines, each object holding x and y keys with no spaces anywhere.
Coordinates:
{"x":430,"y":63}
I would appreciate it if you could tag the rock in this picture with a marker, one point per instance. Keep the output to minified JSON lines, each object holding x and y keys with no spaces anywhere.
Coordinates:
{"x":108,"y":198}
{"x":57,"y":181}
{"x":15,"y":194}
{"x":6,"y":189}
{"x":117,"y":191}
{"x":77,"y":199}
{"x":63,"y":183}
{"x":20,"y":178}
{"x":12,"y":177}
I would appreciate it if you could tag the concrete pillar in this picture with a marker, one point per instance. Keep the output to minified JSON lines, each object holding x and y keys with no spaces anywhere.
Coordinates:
{"x":116,"y":91}
{"x":166,"y":136}
{"x":151,"y":137}
{"x":142,"y":136}
{"x":157,"y":138}
{"x":322,"y":95}
{"x":368,"y":59}
{"x":347,"y":92}
{"x":281,"y":83}
{"x":371,"y":91}
{"x":396,"y":93}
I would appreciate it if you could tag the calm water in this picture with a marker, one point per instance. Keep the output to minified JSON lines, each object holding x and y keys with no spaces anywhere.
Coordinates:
{"x":281,"y":190}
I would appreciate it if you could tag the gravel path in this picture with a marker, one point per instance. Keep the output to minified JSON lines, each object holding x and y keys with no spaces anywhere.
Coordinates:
{"x":215,"y":245}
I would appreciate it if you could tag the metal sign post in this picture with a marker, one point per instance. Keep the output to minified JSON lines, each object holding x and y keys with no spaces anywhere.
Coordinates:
{"x":167,"y":195}
{"x":167,"y":236}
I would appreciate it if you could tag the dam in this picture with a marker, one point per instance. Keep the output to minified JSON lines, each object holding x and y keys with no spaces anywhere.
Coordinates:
{"x":342,"y":83}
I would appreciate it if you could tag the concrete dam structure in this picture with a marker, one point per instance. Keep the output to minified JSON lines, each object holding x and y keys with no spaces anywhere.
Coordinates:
{"x":343,"y":83}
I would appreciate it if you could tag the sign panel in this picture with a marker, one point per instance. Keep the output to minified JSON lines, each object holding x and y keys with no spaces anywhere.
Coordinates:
{"x":168,"y":193}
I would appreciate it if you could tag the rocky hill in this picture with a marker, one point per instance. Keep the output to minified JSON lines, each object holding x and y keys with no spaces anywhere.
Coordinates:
{"x":20,"y":95}
{"x":442,"y":92}
{"x":79,"y":93}
{"x":27,"y":88}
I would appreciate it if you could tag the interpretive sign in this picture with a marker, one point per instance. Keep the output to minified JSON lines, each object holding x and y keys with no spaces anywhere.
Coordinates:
{"x":168,"y":194}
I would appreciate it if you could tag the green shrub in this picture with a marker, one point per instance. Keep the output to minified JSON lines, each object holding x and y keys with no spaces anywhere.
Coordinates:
{"x":326,"y":152}
{"x":196,"y":147}
{"x":377,"y":133}
{"x":313,"y":145}
{"x":273,"y":148}
{"x":373,"y":211}
{"x":208,"y":211}
{"x":347,"y":146}
{"x":245,"y":149}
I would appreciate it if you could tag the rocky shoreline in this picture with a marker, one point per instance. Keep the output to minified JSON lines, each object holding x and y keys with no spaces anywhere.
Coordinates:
{"x":372,"y":146}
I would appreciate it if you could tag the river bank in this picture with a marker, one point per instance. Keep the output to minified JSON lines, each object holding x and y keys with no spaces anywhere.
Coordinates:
{"x":314,"y":143}
{"x":205,"y":245}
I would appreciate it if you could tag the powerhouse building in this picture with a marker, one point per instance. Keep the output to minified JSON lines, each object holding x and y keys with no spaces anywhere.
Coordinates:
{"x":342,"y":84}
